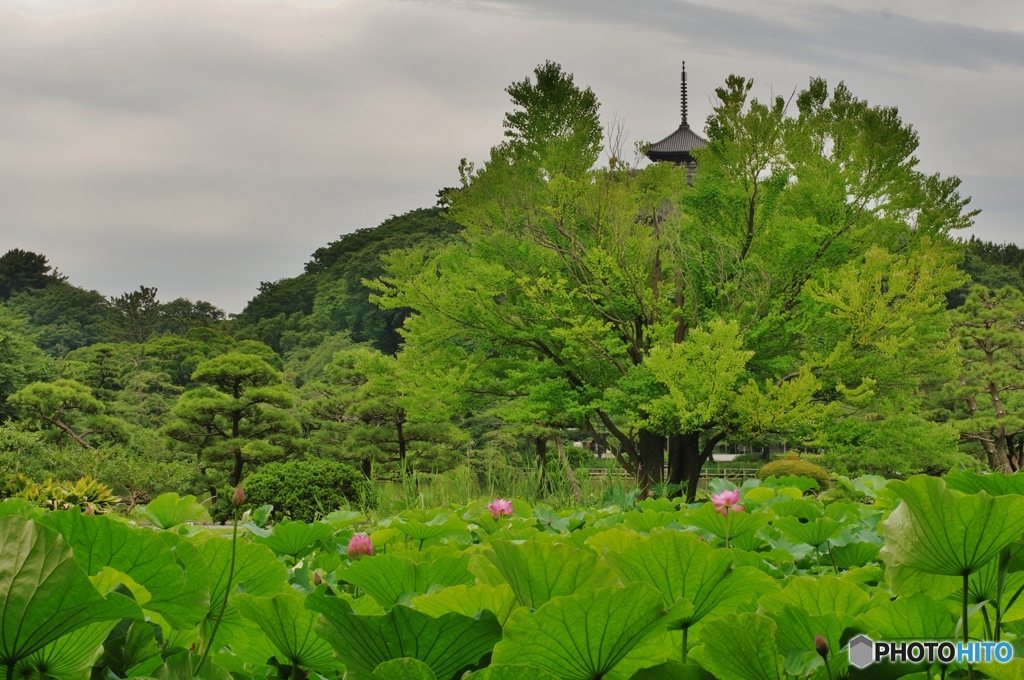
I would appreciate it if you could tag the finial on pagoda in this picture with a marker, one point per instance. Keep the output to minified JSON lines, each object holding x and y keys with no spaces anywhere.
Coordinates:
{"x":682,"y":95}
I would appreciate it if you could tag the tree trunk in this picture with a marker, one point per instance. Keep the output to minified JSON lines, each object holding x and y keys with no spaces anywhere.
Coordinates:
{"x":367,"y":468}
{"x":236,"y":473}
{"x":651,"y":452}
{"x":999,"y":456}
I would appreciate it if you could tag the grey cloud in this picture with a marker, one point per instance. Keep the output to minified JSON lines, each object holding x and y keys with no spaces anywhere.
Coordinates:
{"x":809,"y":31}
{"x":203,"y":146}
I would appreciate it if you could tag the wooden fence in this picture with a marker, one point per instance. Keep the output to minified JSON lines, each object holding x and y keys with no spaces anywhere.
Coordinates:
{"x":705,"y":473}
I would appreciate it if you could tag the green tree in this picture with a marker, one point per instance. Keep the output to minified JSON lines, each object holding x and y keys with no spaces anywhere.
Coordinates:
{"x":597,"y":271}
{"x":21,"y":270}
{"x":65,"y":317}
{"x":987,"y":402}
{"x":21,"y":362}
{"x":374,"y":408}
{"x":239,"y":414}
{"x":70,"y":408}
{"x":138,"y":313}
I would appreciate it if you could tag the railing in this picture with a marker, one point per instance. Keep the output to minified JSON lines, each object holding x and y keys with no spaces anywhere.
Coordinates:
{"x":729,"y":473}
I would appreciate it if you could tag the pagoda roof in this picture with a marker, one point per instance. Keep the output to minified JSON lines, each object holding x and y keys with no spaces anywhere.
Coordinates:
{"x":678,"y":145}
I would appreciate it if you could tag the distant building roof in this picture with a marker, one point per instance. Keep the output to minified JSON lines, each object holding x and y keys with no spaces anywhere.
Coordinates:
{"x":677,"y":146}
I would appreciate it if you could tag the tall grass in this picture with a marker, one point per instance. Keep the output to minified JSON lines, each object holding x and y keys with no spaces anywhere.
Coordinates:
{"x":422,"y":490}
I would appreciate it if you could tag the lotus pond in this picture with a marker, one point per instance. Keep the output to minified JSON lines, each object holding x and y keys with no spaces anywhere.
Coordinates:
{"x":765,"y":584}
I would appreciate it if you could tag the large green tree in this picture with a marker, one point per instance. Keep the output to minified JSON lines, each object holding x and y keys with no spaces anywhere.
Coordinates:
{"x":376,"y":409}
{"x":597,"y":271}
{"x":23,"y":270}
{"x":21,"y":362}
{"x":238,"y":414}
{"x":987,"y":396}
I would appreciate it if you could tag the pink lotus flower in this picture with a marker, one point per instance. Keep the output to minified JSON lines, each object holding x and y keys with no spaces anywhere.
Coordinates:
{"x":500,"y":507}
{"x":360,"y":546}
{"x":726,"y":502}
{"x":238,"y":497}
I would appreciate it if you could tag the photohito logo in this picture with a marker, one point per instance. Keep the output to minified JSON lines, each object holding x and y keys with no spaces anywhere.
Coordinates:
{"x":864,"y":651}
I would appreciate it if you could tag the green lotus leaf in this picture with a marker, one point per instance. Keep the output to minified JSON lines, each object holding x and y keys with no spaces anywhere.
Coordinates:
{"x":469,"y":600}
{"x":936,"y":532}
{"x":731,"y":525}
{"x":539,"y":571}
{"x":917,"y":617}
{"x":740,"y":648}
{"x":814,"y":533}
{"x":647,"y":520}
{"x":996,"y":483}
{"x":141,"y":554}
{"x":1014,"y":670}
{"x":801,"y":508}
{"x":169,"y":510}
{"x":70,"y":657}
{"x":403,"y":669}
{"x":289,"y":626}
{"x":21,"y":508}
{"x":130,"y":643}
{"x":439,"y":525}
{"x":386,"y":578}
{"x":683,"y":567}
{"x":583,"y":636}
{"x":449,"y":644}
{"x":819,"y":596}
{"x":612,"y":540}
{"x":795,"y":633}
{"x":44,"y":593}
{"x":511,"y":672}
{"x":672,"y":670}
{"x":854,"y":554}
{"x":183,"y":666}
{"x":257,"y":572}
{"x":295,"y":538}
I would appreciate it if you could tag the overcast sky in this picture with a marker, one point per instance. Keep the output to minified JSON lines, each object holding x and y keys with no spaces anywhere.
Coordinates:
{"x":203,"y":146}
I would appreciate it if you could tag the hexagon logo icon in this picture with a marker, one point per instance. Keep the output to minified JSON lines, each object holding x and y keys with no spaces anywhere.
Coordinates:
{"x":862,"y":651}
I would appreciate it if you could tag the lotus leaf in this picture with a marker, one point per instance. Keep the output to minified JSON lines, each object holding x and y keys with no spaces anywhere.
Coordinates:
{"x":449,"y":644}
{"x":386,"y":578}
{"x":539,"y":571}
{"x":168,"y":510}
{"x":44,"y":593}
{"x":936,"y":532}
{"x":583,"y":636}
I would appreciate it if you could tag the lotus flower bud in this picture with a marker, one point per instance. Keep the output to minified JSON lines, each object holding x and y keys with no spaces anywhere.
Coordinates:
{"x":821,"y":646}
{"x":500,"y":507}
{"x":360,"y":546}
{"x":317,"y":580}
{"x":238,"y":497}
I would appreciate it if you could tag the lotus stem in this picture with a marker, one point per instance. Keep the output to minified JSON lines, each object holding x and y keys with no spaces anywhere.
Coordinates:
{"x":835,"y":568}
{"x":828,"y":668}
{"x":685,"y":631}
{"x":227,"y":592}
{"x":970,"y":667}
{"x":10,"y":670}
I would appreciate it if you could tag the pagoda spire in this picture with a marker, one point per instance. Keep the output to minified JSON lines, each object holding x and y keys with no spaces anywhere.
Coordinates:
{"x":682,"y":96}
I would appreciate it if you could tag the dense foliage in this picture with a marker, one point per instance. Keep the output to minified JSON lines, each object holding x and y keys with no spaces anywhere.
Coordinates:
{"x":805,"y":292}
{"x":302,"y":490}
{"x":765,"y":583}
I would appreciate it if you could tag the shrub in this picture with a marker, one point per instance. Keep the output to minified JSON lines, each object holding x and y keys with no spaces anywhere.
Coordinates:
{"x":797,"y":467}
{"x":301,"y":489}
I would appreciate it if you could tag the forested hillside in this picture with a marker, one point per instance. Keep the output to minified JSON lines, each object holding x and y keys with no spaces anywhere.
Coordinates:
{"x":810,"y":292}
